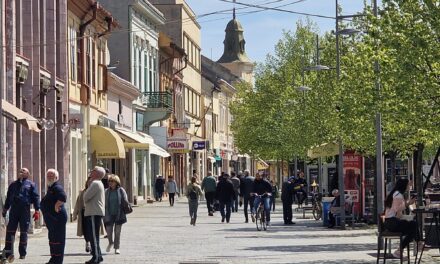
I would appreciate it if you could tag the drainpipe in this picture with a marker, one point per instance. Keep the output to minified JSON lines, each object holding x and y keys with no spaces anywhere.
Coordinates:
{"x":109,"y":21}
{"x":86,"y":94}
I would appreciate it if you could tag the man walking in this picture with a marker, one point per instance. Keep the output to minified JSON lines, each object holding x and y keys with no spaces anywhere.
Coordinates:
{"x":236,"y":183}
{"x":94,"y":211}
{"x":209,"y":185}
{"x":287,"y":199}
{"x":55,"y":216}
{"x":248,"y":187}
{"x":159,"y":186}
{"x":21,"y":194}
{"x":225,"y":195}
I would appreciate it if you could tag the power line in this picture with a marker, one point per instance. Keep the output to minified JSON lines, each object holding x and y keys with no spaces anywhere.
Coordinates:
{"x":279,"y":9}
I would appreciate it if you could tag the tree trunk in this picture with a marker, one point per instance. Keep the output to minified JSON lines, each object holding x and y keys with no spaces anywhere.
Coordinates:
{"x":418,"y":158}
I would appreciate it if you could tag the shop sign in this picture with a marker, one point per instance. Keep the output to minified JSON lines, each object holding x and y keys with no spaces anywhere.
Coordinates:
{"x":177,"y":145}
{"x":352,"y":195}
{"x":199,"y":145}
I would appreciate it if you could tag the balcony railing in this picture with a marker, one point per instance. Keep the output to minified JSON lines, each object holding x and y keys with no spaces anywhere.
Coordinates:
{"x":158,"y":100}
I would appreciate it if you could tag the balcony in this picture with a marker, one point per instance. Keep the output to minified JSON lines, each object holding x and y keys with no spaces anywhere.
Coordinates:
{"x":158,"y":100}
{"x":159,"y":107}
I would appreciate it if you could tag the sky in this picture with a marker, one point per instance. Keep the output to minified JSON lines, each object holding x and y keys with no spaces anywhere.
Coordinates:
{"x":262,"y":30}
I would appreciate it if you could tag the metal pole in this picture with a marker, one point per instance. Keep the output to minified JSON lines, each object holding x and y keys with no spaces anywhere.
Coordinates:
{"x":379,"y":159}
{"x":341,"y":147}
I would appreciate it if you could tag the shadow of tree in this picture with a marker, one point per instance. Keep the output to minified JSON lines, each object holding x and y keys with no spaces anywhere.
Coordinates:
{"x":317,"y":248}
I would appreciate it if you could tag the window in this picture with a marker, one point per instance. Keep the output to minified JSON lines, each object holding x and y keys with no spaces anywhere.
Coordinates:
{"x":139,"y":121}
{"x":150,"y":77}
{"x":93,"y":77}
{"x":192,"y":102}
{"x":88,"y":60}
{"x":73,"y":56}
{"x":134,"y":67}
{"x":214,"y":122}
{"x":145,"y":71}
{"x":140,"y":71}
{"x":79,"y":57}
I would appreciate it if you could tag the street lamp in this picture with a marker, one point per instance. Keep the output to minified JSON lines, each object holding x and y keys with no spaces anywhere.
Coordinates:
{"x":341,"y":186}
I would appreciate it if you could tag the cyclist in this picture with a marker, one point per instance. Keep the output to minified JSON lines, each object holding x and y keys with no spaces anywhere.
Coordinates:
{"x":262,"y":191}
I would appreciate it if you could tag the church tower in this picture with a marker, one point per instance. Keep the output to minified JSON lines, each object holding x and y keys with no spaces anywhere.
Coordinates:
{"x":234,"y":56}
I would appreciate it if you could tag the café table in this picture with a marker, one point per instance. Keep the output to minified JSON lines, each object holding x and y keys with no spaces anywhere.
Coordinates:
{"x":433,"y":225}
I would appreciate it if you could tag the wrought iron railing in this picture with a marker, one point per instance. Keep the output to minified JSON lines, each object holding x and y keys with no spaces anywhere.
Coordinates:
{"x":158,"y":100}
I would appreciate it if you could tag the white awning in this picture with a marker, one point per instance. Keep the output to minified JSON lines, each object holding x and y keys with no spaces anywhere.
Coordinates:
{"x":155,"y":149}
{"x":212,"y":159}
{"x":135,"y":139}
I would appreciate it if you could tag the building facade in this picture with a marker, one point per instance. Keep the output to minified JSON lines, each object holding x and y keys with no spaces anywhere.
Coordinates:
{"x":181,"y":26}
{"x":33,"y":95}
{"x":136,"y":51}
{"x":92,"y":142}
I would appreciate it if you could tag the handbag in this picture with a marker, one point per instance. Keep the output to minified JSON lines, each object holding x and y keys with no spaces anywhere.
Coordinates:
{"x":125,"y":205}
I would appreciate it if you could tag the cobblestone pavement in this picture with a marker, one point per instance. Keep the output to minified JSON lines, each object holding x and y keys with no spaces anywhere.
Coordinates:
{"x":157,"y":233}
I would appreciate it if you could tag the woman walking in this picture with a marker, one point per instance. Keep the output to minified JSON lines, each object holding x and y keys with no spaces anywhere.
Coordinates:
{"x":193,"y":192}
{"x":171,"y":188}
{"x":395,"y":204}
{"x":114,"y":217}
{"x":78,"y":214}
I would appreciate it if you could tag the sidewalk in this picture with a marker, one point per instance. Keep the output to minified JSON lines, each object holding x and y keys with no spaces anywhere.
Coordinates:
{"x":157,"y":233}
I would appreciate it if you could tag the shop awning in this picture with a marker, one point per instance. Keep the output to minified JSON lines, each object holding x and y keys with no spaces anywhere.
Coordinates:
{"x":155,"y":149}
{"x":11,"y":111}
{"x":134,"y":139}
{"x":324,"y":150}
{"x":262,"y":165}
{"x":212,"y":159}
{"x":106,"y":143}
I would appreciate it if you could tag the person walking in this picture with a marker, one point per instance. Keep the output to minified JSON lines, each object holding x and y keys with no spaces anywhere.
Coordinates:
{"x":94,"y":199}
{"x":78,"y":215}
{"x":193,"y":192}
{"x":274,"y":195}
{"x":55,"y":216}
{"x":287,"y":200}
{"x":171,"y":188}
{"x":236,"y":183}
{"x":209,"y":185}
{"x":159,"y":186}
{"x":114,"y":217}
{"x":21,"y":194}
{"x":248,"y":200}
{"x":225,"y":194}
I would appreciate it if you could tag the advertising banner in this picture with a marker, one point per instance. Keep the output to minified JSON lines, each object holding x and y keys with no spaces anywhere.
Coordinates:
{"x":352,"y":178}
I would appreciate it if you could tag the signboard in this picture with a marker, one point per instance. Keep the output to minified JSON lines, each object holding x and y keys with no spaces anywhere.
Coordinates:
{"x":261,"y":165}
{"x":199,"y":145}
{"x":177,"y":145}
{"x":352,"y":195}
{"x":352,"y":178}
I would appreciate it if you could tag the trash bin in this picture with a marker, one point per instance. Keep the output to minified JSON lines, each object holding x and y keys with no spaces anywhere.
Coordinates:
{"x":326,"y":202}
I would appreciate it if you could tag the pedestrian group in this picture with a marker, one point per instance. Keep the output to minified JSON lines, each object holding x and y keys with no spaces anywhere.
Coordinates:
{"x":95,"y":205}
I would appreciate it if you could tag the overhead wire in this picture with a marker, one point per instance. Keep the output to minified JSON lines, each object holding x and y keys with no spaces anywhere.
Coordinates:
{"x":188,"y":20}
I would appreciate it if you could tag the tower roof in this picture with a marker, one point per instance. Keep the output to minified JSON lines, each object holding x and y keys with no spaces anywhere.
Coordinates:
{"x":234,"y":44}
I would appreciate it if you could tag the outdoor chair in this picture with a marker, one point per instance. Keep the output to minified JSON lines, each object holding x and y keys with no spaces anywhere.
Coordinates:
{"x":387,"y":236}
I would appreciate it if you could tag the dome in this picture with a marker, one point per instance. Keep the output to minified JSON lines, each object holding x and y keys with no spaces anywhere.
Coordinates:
{"x":234,"y":25}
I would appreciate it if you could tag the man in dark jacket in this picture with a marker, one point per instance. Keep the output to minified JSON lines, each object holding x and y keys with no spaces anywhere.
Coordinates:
{"x":246,"y":190}
{"x":55,"y":216}
{"x":262,"y":190}
{"x":159,"y":186}
{"x":225,"y":194}
{"x":287,"y":199}
{"x":21,"y":194}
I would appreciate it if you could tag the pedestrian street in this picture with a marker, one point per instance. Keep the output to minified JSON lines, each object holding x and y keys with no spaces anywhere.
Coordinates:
{"x":158,"y":233}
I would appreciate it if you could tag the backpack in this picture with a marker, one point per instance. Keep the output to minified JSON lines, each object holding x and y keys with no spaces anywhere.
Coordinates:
{"x":192,"y":194}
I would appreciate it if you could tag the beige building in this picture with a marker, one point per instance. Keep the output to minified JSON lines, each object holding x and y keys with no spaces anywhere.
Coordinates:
{"x":91,"y":140}
{"x":181,"y":26}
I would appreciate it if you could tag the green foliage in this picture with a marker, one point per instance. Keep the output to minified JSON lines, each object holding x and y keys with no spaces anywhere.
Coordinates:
{"x":275,"y":120}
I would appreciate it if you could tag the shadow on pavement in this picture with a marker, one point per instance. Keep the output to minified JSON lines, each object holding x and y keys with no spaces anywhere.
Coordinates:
{"x":317,"y":248}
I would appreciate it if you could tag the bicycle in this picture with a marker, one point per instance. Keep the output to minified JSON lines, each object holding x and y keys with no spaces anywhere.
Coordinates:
{"x":317,"y":206}
{"x":260,"y":216}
